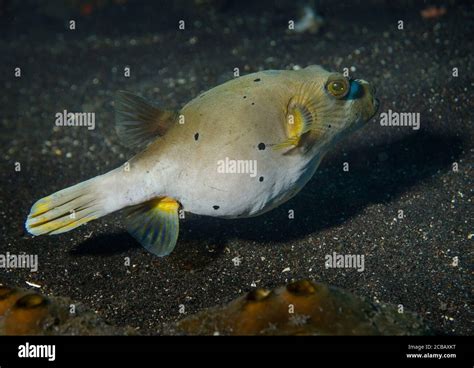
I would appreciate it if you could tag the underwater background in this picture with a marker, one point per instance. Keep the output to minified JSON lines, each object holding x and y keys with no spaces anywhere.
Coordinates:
{"x":422,"y":260}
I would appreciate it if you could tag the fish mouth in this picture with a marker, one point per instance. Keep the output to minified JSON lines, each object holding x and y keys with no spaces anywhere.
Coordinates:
{"x":376,"y":105}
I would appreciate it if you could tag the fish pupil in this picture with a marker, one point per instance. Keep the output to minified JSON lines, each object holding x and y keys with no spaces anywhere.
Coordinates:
{"x":338,"y":87}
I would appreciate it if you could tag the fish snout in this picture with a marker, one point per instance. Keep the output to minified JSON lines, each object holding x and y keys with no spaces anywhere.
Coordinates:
{"x":369,"y":89}
{"x":371,"y":102}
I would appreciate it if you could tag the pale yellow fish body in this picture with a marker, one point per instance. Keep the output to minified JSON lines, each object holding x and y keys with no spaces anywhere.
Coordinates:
{"x":232,"y":121}
{"x":237,"y":150}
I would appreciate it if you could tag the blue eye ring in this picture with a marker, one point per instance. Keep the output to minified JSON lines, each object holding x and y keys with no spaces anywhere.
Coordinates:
{"x":355,"y":90}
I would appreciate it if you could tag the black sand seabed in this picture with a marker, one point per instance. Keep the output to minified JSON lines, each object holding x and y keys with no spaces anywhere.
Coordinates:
{"x":407,"y":261}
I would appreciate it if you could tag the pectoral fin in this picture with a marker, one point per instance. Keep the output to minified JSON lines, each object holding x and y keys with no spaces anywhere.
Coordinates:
{"x":138,"y":122}
{"x":300,"y":119}
{"x":155,"y":224}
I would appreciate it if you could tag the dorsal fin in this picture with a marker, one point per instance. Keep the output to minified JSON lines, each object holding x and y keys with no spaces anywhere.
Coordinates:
{"x":138,"y":122}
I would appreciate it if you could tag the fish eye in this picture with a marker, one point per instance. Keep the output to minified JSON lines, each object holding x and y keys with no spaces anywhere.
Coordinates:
{"x":338,"y":87}
{"x":30,"y":301}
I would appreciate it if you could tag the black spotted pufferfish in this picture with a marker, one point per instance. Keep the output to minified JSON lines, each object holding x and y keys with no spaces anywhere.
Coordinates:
{"x":282,"y":122}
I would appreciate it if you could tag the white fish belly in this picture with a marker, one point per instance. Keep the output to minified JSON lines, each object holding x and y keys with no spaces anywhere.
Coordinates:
{"x":212,"y":192}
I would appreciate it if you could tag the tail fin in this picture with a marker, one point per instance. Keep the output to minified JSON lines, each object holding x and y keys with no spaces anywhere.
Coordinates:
{"x":66,"y":209}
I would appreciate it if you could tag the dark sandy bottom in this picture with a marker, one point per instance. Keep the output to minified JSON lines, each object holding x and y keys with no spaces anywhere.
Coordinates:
{"x":409,"y":261}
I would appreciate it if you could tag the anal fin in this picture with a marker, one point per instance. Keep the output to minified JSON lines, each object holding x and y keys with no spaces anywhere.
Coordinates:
{"x":155,"y":224}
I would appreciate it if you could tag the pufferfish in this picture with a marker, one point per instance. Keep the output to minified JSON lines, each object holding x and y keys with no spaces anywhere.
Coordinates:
{"x":277,"y":124}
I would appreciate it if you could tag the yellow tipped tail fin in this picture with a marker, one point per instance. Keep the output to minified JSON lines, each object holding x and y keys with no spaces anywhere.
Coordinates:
{"x":65,"y":210}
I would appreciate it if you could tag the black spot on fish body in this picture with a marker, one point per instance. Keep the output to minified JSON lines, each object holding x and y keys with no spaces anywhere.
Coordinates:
{"x":260,"y":179}
{"x":196,"y":136}
{"x":253,"y":103}
{"x":215,"y":207}
{"x":257,"y":80}
{"x":261,"y":146}
{"x":245,"y":96}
